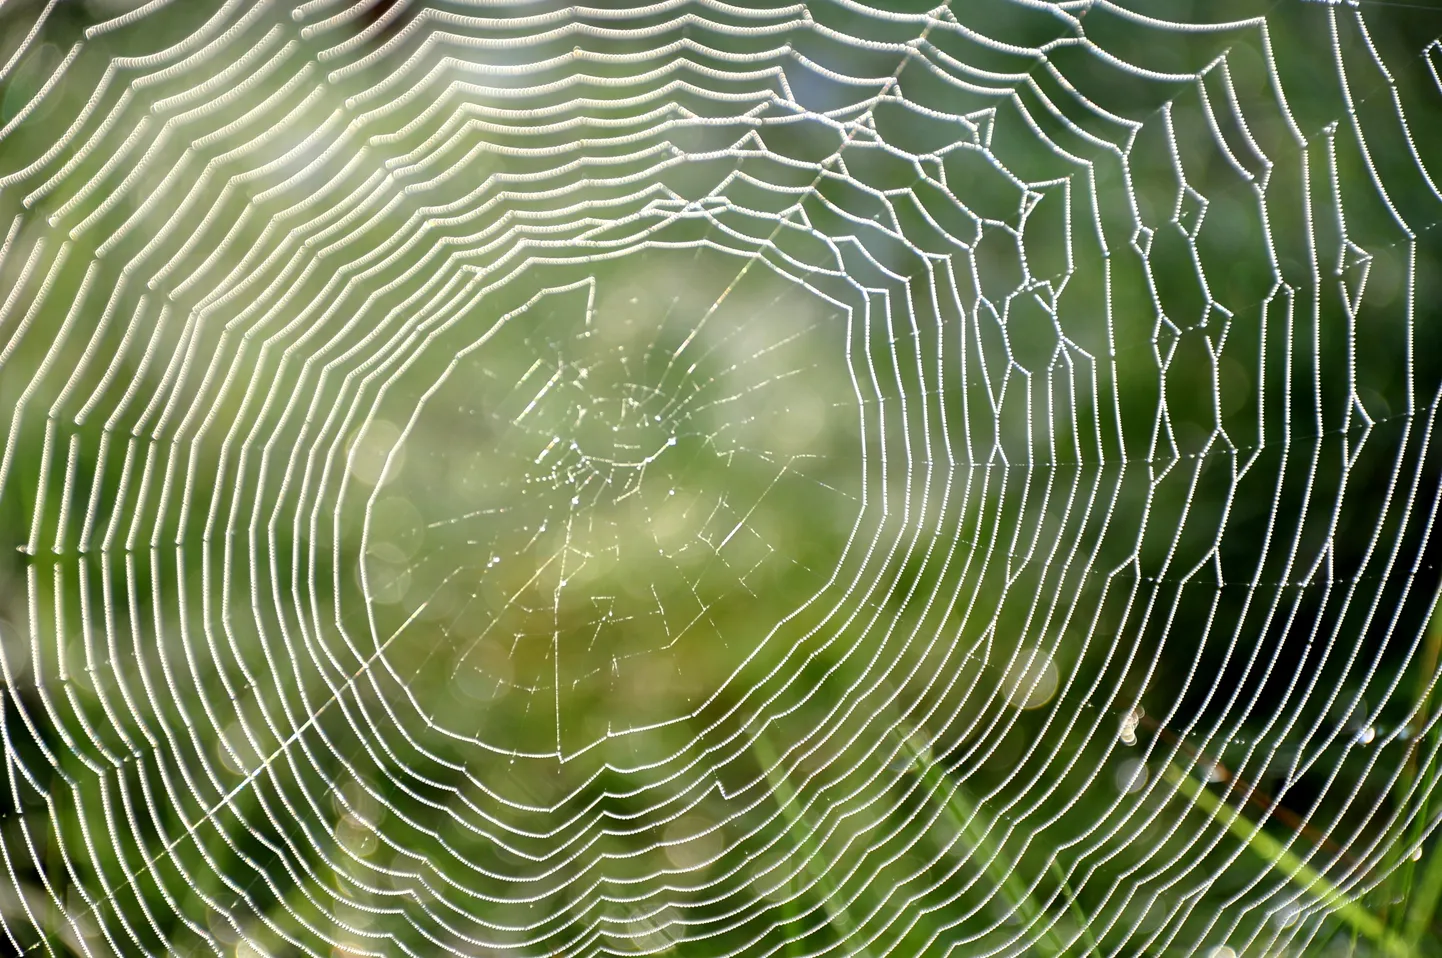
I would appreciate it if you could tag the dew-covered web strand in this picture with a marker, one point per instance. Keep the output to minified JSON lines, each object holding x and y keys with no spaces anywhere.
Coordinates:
{"x":769,"y":241}
{"x":967,"y":710}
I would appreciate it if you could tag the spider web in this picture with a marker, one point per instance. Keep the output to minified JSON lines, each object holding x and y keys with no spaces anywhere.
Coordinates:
{"x":708,"y":478}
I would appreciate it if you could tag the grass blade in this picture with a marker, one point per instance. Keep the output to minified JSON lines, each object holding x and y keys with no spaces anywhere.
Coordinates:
{"x":967,"y":820}
{"x":1267,"y":848}
{"x":1424,"y":906}
{"x":809,"y":849}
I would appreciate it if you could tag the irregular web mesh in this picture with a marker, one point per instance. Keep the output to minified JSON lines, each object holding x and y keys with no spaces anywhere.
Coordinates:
{"x":718,"y":478}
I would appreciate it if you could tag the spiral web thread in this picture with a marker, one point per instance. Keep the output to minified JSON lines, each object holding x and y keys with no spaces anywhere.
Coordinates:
{"x":970,"y":472}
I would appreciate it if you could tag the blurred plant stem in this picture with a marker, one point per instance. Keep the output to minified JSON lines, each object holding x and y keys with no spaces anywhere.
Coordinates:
{"x":966,"y":819}
{"x":1267,"y":848}
{"x":1423,"y":907}
{"x":803,"y":834}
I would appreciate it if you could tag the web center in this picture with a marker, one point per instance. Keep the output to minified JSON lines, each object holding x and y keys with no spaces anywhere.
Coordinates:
{"x":620,"y":496}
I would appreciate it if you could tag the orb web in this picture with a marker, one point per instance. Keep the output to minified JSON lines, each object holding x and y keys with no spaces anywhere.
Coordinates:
{"x":728,"y":479}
